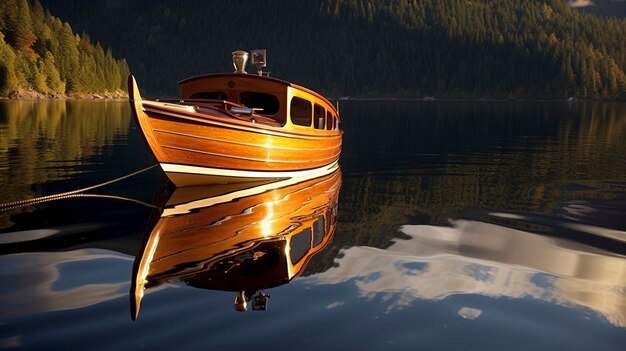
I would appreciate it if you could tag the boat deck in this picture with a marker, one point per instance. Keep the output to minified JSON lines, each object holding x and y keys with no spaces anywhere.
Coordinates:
{"x":218,"y":108}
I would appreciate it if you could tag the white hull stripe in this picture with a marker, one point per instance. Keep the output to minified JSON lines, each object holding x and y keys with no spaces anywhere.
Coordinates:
{"x":175,"y":168}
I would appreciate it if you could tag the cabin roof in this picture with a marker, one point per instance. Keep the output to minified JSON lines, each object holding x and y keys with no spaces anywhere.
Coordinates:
{"x":235,"y":75}
{"x":254,"y":76}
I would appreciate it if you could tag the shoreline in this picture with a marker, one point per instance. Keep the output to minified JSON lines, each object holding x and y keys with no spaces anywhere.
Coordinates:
{"x":401,"y":99}
{"x":122,"y":95}
{"x":33,"y":95}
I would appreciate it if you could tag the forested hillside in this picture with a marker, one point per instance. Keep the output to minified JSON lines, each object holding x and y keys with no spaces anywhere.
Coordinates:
{"x":39,"y":53}
{"x":453,"y":48}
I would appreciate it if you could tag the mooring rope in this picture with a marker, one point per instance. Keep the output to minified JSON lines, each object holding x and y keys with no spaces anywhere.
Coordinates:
{"x":75,"y":193}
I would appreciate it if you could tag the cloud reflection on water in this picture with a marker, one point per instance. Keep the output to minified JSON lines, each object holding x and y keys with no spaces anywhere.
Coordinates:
{"x":485,"y":259}
{"x":35,"y":282}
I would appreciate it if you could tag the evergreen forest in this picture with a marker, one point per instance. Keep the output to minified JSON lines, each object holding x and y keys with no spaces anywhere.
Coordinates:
{"x":40,"y":53}
{"x":504,"y":49}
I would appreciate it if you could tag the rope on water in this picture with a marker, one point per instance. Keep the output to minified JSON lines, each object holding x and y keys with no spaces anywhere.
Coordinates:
{"x":75,"y":193}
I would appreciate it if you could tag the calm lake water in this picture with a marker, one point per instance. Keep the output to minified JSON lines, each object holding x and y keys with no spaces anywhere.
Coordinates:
{"x":492,"y":226}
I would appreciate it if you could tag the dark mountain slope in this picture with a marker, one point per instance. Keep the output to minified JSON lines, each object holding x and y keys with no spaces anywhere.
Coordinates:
{"x":454,"y":48}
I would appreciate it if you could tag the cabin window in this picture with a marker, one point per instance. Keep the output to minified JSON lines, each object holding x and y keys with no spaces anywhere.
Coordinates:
{"x":329,"y":120}
{"x":299,"y":245}
{"x":301,"y":111}
{"x":319,"y":116}
{"x":267,"y":102}
{"x":211,"y":95}
{"x":318,"y":231}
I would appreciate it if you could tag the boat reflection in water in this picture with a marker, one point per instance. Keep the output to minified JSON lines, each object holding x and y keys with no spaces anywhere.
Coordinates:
{"x":238,"y":237}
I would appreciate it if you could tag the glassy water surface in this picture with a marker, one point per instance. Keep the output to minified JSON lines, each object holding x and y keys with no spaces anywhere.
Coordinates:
{"x":450,"y":225}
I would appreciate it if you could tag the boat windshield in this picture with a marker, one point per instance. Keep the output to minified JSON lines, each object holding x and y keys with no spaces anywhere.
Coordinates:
{"x":212,"y":95}
{"x":263,"y":103}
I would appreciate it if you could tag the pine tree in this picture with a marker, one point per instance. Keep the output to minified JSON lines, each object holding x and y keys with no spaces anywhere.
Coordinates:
{"x":19,"y":25}
{"x":53,"y":78}
{"x":8,"y":80}
{"x":68,"y":56}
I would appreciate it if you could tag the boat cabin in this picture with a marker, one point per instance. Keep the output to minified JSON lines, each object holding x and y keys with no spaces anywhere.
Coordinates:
{"x":278,"y":102}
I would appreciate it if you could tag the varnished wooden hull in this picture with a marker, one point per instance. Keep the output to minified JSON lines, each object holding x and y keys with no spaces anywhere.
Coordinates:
{"x":197,"y":148}
{"x":214,"y":242}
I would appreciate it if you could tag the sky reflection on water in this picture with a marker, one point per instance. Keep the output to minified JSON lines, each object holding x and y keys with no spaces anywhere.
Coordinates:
{"x":57,"y":281}
{"x":485,"y":259}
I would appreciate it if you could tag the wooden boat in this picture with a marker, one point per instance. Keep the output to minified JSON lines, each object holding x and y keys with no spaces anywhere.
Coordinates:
{"x":239,"y":127}
{"x":241,"y":237}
